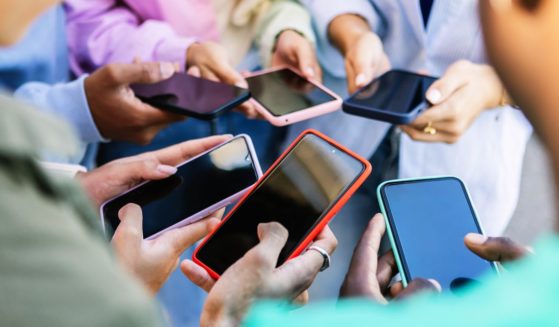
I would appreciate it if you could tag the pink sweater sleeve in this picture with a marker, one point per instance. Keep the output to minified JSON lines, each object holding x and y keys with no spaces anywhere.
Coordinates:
{"x":107,"y":31}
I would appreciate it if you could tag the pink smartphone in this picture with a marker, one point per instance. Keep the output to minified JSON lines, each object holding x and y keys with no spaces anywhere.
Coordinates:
{"x":201,"y":186}
{"x":285,"y":97}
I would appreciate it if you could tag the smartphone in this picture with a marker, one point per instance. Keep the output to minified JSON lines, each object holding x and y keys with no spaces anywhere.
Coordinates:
{"x":192,"y":96}
{"x":201,"y":186}
{"x":427,"y":220}
{"x":285,"y":97}
{"x":303,"y":190}
{"x":396,"y":97}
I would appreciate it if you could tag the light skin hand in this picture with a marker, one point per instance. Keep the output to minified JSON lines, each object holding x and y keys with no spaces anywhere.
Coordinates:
{"x":153,"y":261}
{"x":458,"y":98}
{"x":369,"y":275}
{"x":255,"y":276}
{"x":362,"y":50}
{"x":120,"y":175}
{"x":209,"y":60}
{"x":295,"y":51}
{"x":117,"y":112}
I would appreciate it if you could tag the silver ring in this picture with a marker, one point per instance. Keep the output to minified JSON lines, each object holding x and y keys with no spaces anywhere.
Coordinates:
{"x":324,"y":255}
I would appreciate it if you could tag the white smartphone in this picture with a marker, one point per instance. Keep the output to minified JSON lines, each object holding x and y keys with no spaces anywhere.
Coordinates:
{"x":201,"y":186}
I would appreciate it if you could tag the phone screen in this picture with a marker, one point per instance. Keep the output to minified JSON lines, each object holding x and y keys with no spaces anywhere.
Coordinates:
{"x":193,"y":94}
{"x":396,"y":91}
{"x":283,"y":92}
{"x":297,"y":194}
{"x":197,"y":185}
{"x":429,"y":220}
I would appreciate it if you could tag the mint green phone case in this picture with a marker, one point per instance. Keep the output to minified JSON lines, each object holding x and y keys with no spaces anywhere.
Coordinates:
{"x":391,"y":237}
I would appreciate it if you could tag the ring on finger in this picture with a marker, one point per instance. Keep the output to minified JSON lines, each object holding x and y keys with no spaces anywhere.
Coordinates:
{"x":324,"y":254}
{"x":429,"y":129}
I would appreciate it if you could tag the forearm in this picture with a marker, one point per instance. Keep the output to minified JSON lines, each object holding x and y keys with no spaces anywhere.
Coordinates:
{"x":345,"y":29}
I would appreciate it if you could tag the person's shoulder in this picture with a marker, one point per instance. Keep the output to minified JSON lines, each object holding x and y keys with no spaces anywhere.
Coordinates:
{"x":26,"y":131}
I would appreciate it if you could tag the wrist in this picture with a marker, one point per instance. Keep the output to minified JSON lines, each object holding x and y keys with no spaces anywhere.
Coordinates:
{"x":498,"y":96}
{"x":289,"y":32}
{"x":218,"y":318}
{"x":345,"y":30}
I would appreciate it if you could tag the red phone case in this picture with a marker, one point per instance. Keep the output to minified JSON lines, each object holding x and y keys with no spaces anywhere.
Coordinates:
{"x":325,"y":219}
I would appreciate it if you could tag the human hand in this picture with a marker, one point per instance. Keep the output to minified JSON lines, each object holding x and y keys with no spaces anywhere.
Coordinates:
{"x":294,"y":50}
{"x":121,"y":175}
{"x":153,"y":261}
{"x":255,"y":276}
{"x":369,"y":275}
{"x":457,"y":98}
{"x":365,"y":60}
{"x":117,"y":112}
{"x":209,"y":60}
{"x":500,"y":249}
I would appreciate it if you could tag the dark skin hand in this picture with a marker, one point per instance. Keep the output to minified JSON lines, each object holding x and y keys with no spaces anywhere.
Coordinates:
{"x":369,"y":275}
{"x":500,"y":249}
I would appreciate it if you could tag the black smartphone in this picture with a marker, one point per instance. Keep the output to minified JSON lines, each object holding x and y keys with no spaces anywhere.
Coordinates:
{"x":396,"y":97}
{"x":427,"y":220}
{"x":201,"y":186}
{"x":192,"y":96}
{"x":302,"y":191}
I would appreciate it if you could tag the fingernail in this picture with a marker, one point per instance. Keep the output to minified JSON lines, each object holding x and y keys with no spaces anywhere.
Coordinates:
{"x":167,"y":69}
{"x":309,"y":71}
{"x":169,"y":170}
{"x":476,"y":238}
{"x":436,"y":284}
{"x":243,"y":84}
{"x":434,"y":96}
{"x":360,"y":79}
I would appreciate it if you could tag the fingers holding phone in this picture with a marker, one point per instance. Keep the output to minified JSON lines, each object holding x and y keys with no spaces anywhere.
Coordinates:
{"x":292,"y":49}
{"x":117,"y":112}
{"x":499,"y":249}
{"x":118,"y":176}
{"x":256,"y":275}
{"x":364,"y":61}
{"x":209,"y":174}
{"x":463,"y":92}
{"x":152,"y":261}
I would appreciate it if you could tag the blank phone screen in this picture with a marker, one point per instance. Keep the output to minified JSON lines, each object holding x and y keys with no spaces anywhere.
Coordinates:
{"x":197,"y":185}
{"x":396,"y":91}
{"x":297,"y":194}
{"x":190,"y":93}
{"x":429,"y":219}
{"x":283,"y":92}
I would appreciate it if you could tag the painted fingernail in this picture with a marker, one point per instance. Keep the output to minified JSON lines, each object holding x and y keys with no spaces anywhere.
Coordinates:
{"x":167,"y":69}
{"x":360,"y":79}
{"x":434,"y":96}
{"x":243,"y":84}
{"x":169,"y":170}
{"x":476,"y":238}
{"x":436,"y":284}
{"x":309,"y":71}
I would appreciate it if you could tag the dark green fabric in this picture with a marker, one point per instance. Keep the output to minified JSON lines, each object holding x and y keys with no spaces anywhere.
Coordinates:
{"x":56,"y":268}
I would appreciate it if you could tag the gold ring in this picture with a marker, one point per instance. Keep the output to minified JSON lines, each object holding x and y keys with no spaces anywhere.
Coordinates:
{"x":429,"y":129}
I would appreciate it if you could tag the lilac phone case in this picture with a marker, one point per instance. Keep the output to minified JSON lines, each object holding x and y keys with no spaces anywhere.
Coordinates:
{"x":208,"y":211}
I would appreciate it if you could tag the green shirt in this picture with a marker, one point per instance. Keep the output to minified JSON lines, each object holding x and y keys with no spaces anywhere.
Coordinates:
{"x":56,"y":267}
{"x":526,"y":295}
